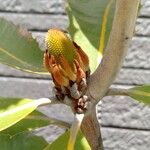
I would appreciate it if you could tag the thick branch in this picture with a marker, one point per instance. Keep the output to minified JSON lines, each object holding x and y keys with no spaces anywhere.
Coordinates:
{"x":91,"y":129}
{"x":120,"y":37}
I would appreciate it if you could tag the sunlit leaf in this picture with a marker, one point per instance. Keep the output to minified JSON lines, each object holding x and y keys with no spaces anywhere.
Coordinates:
{"x":18,"y":49}
{"x":22,"y":141}
{"x":62,"y":141}
{"x":140,"y":93}
{"x":30,"y":122}
{"x":13,"y":110}
{"x":90,"y":24}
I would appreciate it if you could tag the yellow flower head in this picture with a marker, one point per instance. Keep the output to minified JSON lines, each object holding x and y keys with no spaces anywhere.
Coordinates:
{"x":59,"y":44}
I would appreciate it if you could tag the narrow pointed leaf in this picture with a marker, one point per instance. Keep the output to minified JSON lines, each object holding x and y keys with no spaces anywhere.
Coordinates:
{"x":22,"y":141}
{"x":61,"y":143}
{"x":30,"y":122}
{"x":90,"y":24}
{"x":141,"y":93}
{"x":13,"y":110}
{"x":18,"y":49}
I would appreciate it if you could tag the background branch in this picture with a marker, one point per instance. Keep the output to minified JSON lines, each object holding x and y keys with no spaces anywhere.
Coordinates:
{"x":54,"y":121}
{"x":117,"y":91}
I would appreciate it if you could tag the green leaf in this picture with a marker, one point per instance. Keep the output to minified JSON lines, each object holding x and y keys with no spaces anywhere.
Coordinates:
{"x":4,"y":142}
{"x":13,"y":110}
{"x":90,"y":25}
{"x":22,"y":141}
{"x":18,"y":49}
{"x":140,"y":93}
{"x":30,"y":122}
{"x":61,"y":143}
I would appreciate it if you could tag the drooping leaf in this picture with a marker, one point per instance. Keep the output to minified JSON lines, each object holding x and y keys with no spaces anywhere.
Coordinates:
{"x":22,"y":141}
{"x":61,"y":143}
{"x":90,"y":24}
{"x":30,"y":122}
{"x":140,"y":93}
{"x":13,"y":110}
{"x":18,"y":49}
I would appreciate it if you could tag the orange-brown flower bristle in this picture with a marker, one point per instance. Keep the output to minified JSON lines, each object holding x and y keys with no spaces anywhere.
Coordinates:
{"x":79,"y":60}
{"x":68,"y":69}
{"x":83,"y":57}
{"x":80,"y":73}
{"x":46,"y":61}
{"x":58,"y":76}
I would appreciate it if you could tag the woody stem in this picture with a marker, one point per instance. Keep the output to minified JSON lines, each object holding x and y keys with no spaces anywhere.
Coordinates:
{"x":120,"y":37}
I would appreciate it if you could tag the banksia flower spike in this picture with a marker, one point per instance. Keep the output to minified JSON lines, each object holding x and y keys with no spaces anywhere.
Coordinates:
{"x":68,"y":65}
